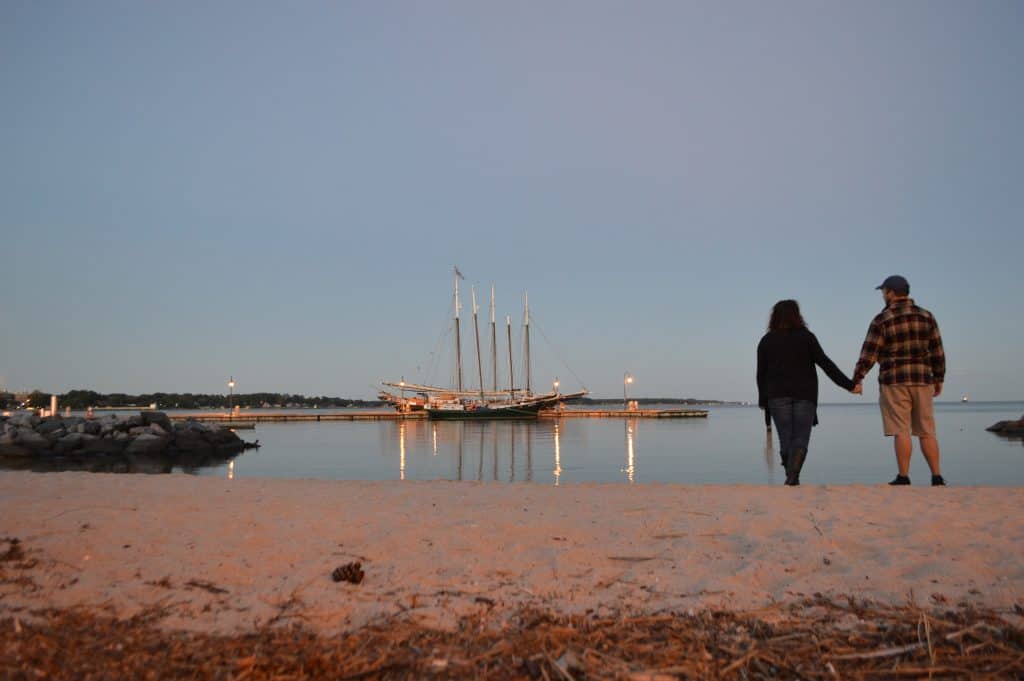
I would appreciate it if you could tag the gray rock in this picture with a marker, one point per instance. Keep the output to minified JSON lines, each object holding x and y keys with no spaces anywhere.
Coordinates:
{"x":51,"y":425}
{"x":197,"y":426}
{"x":14,"y":451}
{"x":1008,"y":427}
{"x":159,"y":418}
{"x":54,"y":435}
{"x":148,"y":443}
{"x":222,"y":438}
{"x":190,"y":441}
{"x":32,"y":440}
{"x":156,"y":429}
{"x":27,"y":419}
{"x":68,"y":443}
{"x":140,"y":430}
{"x":9,"y":445}
{"x":101,"y":446}
{"x":134,"y":421}
{"x":92,"y":427}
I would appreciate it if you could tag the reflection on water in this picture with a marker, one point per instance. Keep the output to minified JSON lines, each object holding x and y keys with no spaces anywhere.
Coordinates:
{"x":500,"y":451}
{"x":558,"y":457}
{"x":191,"y":463}
{"x":630,"y":469}
{"x":401,"y":450}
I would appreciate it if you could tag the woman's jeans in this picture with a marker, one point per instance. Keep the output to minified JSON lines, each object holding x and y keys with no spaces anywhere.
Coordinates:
{"x":793,"y":422}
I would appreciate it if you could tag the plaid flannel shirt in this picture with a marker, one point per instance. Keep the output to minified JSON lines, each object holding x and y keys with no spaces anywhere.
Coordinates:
{"x":904,"y":340}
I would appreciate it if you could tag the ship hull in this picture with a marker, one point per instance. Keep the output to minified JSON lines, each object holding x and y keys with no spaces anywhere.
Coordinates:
{"x":517,"y":412}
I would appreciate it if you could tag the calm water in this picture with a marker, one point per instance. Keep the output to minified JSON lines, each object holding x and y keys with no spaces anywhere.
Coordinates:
{"x":728,"y":447}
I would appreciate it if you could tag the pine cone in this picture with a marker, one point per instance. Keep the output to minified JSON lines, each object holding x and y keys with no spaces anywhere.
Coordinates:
{"x":349,"y":572}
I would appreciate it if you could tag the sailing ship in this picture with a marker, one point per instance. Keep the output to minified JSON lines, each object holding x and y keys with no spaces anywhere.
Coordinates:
{"x":462,"y":403}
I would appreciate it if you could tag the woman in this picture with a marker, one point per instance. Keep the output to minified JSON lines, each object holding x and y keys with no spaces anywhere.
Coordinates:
{"x":787,"y":382}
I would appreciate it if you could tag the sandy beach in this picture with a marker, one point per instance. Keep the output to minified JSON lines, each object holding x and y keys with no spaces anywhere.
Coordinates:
{"x":233,"y":555}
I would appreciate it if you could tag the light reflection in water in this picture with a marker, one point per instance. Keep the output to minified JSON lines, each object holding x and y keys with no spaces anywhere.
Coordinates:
{"x":558,"y":457}
{"x":401,"y":450}
{"x":769,"y":456}
{"x":503,"y":450}
{"x":231,"y":469}
{"x":630,"y":468}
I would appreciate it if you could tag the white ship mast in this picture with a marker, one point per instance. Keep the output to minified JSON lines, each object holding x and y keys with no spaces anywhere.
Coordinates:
{"x":458,"y":337}
{"x":494,"y":346}
{"x":526,"y":324}
{"x":476,"y":334}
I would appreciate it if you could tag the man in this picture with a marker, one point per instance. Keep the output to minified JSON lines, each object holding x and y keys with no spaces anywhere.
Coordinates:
{"x":904,"y":340}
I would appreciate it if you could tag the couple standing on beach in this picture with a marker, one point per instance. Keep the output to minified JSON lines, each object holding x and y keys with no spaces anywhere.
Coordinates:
{"x":903,"y":339}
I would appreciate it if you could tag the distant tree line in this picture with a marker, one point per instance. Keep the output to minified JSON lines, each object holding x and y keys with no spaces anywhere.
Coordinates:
{"x":83,"y":399}
{"x":650,"y":400}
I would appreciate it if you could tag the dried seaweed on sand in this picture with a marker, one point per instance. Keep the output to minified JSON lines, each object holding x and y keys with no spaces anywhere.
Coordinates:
{"x":813,"y":639}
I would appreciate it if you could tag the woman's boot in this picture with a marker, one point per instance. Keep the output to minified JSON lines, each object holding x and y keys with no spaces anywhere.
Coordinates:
{"x":793,"y":465}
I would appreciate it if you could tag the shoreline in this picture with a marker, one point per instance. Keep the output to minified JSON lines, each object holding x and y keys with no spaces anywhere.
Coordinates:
{"x":230,"y":556}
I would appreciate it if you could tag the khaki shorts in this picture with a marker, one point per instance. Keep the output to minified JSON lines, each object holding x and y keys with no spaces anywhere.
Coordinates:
{"x":907,"y":408}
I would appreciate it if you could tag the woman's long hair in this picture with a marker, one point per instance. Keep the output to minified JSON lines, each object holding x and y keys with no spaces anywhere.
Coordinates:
{"x":786,"y":316}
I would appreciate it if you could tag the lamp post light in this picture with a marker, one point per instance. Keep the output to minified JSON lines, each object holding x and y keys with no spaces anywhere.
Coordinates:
{"x":231,"y":391}
{"x":555,"y":385}
{"x":626,"y":380}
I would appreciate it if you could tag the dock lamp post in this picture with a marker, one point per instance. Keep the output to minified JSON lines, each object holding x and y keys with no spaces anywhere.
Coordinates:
{"x":626,"y":380}
{"x":555,"y":385}
{"x":231,"y":390}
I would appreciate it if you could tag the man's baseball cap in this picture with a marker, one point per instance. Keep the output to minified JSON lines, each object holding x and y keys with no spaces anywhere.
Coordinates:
{"x":896,"y":284}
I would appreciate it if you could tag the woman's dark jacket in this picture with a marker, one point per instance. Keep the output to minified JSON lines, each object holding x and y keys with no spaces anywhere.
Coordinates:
{"x":785,"y":366}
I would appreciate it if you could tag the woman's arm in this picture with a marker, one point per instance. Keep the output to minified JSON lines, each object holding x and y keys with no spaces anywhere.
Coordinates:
{"x":760,"y":375}
{"x":833,"y":372}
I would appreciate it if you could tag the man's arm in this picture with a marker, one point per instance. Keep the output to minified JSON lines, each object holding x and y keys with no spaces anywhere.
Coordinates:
{"x":869,"y":351}
{"x":937,"y":356}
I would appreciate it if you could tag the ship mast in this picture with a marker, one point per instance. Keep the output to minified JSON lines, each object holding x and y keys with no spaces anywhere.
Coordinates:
{"x":511,"y":374}
{"x":494,"y":345}
{"x":458,"y":338}
{"x":476,"y":333}
{"x":526,"y":322}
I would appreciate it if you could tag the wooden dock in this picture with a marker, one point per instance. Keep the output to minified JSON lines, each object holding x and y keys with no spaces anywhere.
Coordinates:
{"x":248,"y":419}
{"x":626,"y":414}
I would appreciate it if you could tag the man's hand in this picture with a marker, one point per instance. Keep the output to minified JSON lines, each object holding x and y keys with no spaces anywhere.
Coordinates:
{"x":858,"y":389}
{"x":938,"y":389}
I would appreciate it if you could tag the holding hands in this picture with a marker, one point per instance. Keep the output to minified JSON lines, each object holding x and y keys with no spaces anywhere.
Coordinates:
{"x":858,"y":389}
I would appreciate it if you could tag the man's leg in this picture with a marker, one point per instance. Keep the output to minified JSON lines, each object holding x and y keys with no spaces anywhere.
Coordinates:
{"x":896,"y":404}
{"x":930,"y":449}
{"x":923,"y":421}
{"x":904,"y":446}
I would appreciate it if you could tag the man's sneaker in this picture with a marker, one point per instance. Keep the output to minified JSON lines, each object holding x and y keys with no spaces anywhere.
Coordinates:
{"x":938,"y":481}
{"x":900,"y":480}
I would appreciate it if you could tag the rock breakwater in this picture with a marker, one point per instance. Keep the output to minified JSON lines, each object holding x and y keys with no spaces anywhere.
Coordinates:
{"x":25,"y":435}
{"x":1014,"y":428}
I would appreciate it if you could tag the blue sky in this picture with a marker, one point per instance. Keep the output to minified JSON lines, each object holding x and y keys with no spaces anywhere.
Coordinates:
{"x":278,"y":192}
